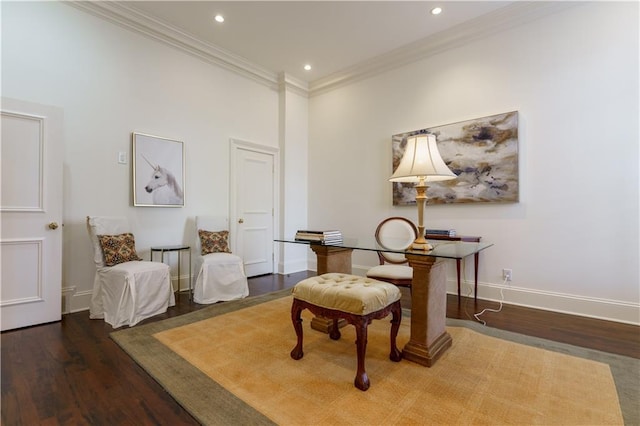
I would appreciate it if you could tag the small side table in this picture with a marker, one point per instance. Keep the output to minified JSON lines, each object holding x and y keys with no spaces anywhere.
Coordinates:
{"x":476,"y":257}
{"x":179,"y":249}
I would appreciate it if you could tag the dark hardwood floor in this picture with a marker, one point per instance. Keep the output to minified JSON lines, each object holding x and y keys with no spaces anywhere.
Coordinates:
{"x":71,"y":373}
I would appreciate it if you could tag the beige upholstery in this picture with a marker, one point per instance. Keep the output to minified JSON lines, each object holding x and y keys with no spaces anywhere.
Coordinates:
{"x":347,"y":293}
{"x":382,"y":272}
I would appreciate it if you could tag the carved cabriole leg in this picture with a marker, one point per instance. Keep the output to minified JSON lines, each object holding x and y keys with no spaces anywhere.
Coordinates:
{"x":395,"y":354}
{"x":429,"y":338}
{"x":362,"y":380}
{"x":296,"y":309}
{"x":330,"y":259}
{"x":360,"y":322}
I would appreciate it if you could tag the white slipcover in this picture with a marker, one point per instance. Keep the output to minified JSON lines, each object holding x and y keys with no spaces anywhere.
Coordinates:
{"x":129,"y":292}
{"x":219,"y":276}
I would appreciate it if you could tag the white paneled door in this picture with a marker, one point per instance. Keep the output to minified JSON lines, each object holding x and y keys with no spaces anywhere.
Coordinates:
{"x":31,"y":214}
{"x":252,"y":191}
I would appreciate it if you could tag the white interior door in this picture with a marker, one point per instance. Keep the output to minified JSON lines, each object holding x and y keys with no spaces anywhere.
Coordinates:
{"x":31,"y":214}
{"x":253,"y":183}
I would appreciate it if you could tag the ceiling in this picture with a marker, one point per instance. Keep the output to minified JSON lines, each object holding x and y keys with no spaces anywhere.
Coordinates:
{"x":331,"y":36}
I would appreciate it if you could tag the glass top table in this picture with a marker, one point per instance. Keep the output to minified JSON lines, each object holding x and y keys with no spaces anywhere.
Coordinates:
{"x":429,"y":338}
{"x":445,"y":249}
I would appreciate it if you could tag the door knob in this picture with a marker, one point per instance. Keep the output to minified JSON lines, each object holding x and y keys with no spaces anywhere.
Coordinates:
{"x":240,"y":220}
{"x":53,"y":225}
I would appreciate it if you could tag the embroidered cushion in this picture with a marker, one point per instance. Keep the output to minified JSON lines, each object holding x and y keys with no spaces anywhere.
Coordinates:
{"x":214,"y":242}
{"x":118,"y":248}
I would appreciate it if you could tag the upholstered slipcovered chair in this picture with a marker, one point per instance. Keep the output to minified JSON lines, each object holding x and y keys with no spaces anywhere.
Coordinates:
{"x":126,"y":289}
{"x":219,"y":273}
{"x":395,"y":233}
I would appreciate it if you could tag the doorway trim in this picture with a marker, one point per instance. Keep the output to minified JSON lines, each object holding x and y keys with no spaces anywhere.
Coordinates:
{"x":235,"y":145}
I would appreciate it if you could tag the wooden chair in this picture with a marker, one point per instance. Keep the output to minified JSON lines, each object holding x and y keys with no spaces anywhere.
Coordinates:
{"x":395,"y":233}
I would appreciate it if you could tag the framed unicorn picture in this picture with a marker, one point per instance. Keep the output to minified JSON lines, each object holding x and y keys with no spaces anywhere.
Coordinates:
{"x":158,"y":171}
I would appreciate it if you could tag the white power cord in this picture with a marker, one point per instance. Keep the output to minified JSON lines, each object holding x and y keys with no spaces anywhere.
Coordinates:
{"x":477,"y":316}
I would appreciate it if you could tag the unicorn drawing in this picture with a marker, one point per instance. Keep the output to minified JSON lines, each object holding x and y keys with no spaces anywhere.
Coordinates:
{"x":163,"y":186}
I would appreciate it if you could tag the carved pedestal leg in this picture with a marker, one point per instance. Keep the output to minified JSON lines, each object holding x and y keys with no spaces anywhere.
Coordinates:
{"x":429,"y":338}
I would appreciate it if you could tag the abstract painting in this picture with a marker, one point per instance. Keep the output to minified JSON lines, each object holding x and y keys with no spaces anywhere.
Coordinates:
{"x":482,"y":152}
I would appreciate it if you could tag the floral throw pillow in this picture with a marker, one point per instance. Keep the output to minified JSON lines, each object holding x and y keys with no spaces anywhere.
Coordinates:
{"x":214,"y":242}
{"x":118,"y":248}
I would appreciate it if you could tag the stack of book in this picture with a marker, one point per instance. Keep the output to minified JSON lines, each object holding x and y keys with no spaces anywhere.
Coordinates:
{"x":324,"y":237}
{"x":443,"y":232}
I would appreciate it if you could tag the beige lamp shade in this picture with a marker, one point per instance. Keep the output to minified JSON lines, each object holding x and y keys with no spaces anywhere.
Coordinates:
{"x":421,"y":163}
{"x":422,"y":159}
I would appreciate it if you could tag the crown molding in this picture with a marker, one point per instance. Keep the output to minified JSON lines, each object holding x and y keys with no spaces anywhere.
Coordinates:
{"x":119,"y":13}
{"x":516,"y":14}
{"x":287,"y":82}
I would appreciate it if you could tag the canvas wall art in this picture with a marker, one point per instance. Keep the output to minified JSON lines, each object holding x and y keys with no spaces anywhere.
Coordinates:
{"x":158,"y":171}
{"x":482,"y":152}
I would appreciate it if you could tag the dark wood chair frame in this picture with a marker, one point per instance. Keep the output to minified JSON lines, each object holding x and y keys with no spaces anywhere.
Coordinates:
{"x":360,"y":322}
{"x":384,"y":260}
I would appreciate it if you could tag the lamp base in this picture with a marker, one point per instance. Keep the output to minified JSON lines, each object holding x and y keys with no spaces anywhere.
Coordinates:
{"x":425,"y":246}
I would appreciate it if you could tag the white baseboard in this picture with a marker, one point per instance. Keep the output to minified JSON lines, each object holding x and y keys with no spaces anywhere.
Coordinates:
{"x":67,"y":295}
{"x":611,"y":310}
{"x":73,"y":301}
{"x":605,"y":309}
{"x":181,"y":284}
{"x":292,"y":267}
{"x":76,"y":302}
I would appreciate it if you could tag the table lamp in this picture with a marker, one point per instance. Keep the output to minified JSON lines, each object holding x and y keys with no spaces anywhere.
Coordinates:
{"x":421,"y":163}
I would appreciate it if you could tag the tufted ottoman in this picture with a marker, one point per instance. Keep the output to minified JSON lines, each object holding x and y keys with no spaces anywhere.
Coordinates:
{"x":358,"y":300}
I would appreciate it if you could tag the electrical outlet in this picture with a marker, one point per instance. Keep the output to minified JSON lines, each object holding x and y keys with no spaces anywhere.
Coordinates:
{"x":507,"y":274}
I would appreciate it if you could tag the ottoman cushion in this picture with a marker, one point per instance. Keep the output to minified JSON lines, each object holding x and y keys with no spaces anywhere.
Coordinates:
{"x":347,"y":293}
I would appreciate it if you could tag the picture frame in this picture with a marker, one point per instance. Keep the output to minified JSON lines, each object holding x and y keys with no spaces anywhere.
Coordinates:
{"x":158,"y":171}
{"x":482,"y":152}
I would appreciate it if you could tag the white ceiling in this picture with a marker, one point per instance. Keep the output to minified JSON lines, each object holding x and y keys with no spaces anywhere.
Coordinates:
{"x":332,"y":36}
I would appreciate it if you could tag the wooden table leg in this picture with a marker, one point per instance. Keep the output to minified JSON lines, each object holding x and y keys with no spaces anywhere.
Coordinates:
{"x":429,"y":338}
{"x":330,"y":259}
{"x":477,"y":262}
{"x":458,"y":275}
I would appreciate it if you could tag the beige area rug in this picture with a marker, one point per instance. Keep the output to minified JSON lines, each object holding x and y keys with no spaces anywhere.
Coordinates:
{"x":231,"y":365}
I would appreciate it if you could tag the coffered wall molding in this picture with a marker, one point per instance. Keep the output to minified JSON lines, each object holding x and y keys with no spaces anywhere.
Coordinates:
{"x":518,"y":13}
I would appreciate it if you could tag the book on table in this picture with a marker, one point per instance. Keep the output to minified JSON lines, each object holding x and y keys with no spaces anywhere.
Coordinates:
{"x":444,"y":232}
{"x":331,"y":236}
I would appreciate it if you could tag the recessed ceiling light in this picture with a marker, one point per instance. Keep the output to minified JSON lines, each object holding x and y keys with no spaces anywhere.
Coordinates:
{"x":436,"y":11}
{"x":219,"y":18}
{"x":307,"y":67}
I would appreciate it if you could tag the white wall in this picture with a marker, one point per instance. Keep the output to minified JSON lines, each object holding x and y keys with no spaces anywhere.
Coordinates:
{"x":111,"y":82}
{"x":572,"y":240}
